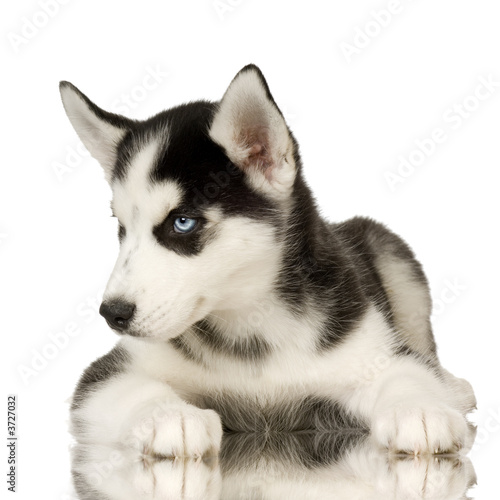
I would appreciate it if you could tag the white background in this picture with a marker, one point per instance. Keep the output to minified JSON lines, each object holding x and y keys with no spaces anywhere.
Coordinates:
{"x":353,"y":119}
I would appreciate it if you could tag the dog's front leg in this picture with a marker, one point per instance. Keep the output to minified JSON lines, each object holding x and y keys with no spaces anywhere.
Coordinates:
{"x":125,"y":423}
{"x":411,"y":409}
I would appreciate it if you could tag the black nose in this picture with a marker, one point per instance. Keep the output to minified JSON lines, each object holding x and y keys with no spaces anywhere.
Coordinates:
{"x":117,"y":313}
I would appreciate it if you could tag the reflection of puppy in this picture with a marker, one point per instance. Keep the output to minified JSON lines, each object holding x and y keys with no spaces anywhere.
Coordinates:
{"x":337,"y":465}
{"x":232,"y":293}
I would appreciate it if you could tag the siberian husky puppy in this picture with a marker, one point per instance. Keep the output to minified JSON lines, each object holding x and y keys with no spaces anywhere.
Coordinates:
{"x":239,"y":307}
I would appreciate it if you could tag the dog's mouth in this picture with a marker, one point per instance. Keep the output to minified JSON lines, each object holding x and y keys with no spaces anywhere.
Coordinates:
{"x":142,"y":333}
{"x":129,"y":330}
{"x":140,"y":329}
{"x":124,"y":329}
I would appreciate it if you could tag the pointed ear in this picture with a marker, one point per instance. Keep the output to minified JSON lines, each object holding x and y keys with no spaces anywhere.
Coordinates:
{"x":100,"y":131}
{"x":253,"y":132}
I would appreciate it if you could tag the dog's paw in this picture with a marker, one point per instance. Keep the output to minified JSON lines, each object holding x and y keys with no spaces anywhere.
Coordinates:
{"x":428,"y":477}
{"x":417,"y":430}
{"x":116,"y":475}
{"x":175,"y":431}
{"x":181,"y":478}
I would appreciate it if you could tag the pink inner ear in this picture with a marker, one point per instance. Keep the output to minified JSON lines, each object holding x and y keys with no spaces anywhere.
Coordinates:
{"x":258,"y":154}
{"x":256,"y":148}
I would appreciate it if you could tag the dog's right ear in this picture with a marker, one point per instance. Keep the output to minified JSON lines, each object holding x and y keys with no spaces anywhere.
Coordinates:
{"x":252,"y":131}
{"x":100,"y":131}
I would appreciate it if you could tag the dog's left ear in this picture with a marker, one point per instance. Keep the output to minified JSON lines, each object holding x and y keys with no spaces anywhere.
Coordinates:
{"x":99,"y":130}
{"x":252,"y":131}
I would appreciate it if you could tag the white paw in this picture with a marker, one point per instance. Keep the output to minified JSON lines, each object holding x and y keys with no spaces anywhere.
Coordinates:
{"x":427,"y":478}
{"x":415,"y":430}
{"x":126,"y":478}
{"x":179,"y":430}
{"x":180,"y":478}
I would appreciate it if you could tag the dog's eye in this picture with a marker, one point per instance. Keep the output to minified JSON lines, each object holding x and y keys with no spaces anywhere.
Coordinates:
{"x":184,"y":225}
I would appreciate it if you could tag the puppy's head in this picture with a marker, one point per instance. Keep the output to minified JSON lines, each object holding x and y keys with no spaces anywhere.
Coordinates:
{"x":200,"y":192}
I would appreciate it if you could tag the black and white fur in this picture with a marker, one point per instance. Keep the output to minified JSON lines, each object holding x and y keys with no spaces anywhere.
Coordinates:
{"x":265,"y":312}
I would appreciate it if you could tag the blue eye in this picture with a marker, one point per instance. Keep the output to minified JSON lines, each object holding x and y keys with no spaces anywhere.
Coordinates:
{"x":184,"y":225}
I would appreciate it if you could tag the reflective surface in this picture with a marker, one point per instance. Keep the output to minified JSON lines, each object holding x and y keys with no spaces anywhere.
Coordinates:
{"x":303,"y":465}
